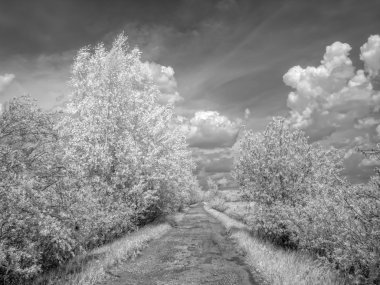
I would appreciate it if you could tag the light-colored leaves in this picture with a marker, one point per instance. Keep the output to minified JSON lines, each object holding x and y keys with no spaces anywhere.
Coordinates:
{"x":113,"y":159}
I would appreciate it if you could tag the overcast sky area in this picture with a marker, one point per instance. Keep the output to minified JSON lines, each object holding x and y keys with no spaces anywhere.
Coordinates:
{"x":223,"y":62}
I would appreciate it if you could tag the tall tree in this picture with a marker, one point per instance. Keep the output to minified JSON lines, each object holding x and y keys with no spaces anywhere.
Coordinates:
{"x":117,"y":135}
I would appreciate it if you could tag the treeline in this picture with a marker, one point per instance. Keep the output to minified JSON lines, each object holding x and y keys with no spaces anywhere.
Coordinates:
{"x":111,"y":160}
{"x":302,"y":202}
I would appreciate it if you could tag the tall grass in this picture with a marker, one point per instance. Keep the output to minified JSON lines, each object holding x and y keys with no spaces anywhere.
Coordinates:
{"x":228,"y":223}
{"x":284,"y":267}
{"x":95,"y":266}
{"x":277,"y":266}
{"x":239,"y":210}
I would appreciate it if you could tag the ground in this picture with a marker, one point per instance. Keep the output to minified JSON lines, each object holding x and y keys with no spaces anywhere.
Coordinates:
{"x":197,"y":251}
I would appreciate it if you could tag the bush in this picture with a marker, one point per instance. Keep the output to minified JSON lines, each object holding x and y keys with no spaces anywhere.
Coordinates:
{"x":279,"y":170}
{"x":344,"y":227}
{"x":214,"y":197}
{"x":218,"y":204}
{"x":301,"y":202}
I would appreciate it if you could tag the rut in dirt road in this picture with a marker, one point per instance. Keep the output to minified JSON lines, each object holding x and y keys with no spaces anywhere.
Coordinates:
{"x":198,"y":251}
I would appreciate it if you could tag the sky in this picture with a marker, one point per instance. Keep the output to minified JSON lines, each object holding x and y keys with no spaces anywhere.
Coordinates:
{"x":223,"y":62}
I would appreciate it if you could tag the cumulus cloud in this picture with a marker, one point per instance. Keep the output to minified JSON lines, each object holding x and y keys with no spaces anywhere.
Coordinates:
{"x":209,"y":129}
{"x":335,"y":104}
{"x":369,"y":162}
{"x":5,"y":81}
{"x":215,"y":163}
{"x":370,"y":54}
{"x":166,"y":82}
{"x":210,"y":136}
{"x":217,"y":160}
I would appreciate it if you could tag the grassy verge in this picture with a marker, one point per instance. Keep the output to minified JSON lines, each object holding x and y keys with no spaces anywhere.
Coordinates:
{"x":277,"y":266}
{"x":229,"y":223}
{"x":238,"y":210}
{"x":95,"y":266}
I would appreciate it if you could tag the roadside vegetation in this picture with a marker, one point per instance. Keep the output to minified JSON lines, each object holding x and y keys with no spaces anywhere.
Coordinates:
{"x":295,"y":203}
{"x":99,"y":264}
{"x":276,"y":265}
{"x":302,"y":202}
{"x":110,"y":161}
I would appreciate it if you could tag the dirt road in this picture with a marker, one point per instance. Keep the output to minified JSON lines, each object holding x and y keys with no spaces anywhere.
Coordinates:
{"x":198,"y":251}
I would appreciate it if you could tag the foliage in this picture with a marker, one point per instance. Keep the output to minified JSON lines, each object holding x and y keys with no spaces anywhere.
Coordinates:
{"x":91,"y":267}
{"x":211,"y":184}
{"x":112,"y":160}
{"x":214,"y":197}
{"x":218,"y":203}
{"x":343,"y":225}
{"x":280,"y":166}
{"x":34,"y":223}
{"x":275,"y":265}
{"x":118,"y":137}
{"x":279,"y":171}
{"x":301,"y":201}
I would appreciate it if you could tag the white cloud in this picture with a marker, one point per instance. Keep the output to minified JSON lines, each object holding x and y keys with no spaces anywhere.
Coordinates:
{"x":166,"y":82}
{"x":370,"y":54}
{"x":319,"y":88}
{"x":5,"y":81}
{"x":209,"y":129}
{"x":369,"y":162}
{"x":332,"y":96}
{"x":367,"y":123}
{"x":333,"y":103}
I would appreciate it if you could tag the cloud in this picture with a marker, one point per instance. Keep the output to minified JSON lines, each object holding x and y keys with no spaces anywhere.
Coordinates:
{"x":209,"y":129}
{"x":210,"y":136}
{"x":370,"y":54}
{"x":213,"y":160}
{"x":6,"y":80}
{"x":163,"y":76}
{"x":333,"y":103}
{"x":369,"y":162}
{"x":216,"y":163}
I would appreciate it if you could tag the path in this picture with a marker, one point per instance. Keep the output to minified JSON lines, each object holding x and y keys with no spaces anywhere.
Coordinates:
{"x":198,"y":251}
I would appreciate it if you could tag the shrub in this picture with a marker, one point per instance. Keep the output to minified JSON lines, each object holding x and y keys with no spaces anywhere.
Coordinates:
{"x":36,"y":227}
{"x":343,"y":225}
{"x":279,"y":170}
{"x":218,"y":204}
{"x":301,"y":202}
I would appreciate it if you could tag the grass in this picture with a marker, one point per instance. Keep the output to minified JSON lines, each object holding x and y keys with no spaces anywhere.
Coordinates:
{"x":277,"y":266}
{"x":94,"y":267}
{"x":230,"y":202}
{"x":231,"y":195}
{"x":228,"y":223}
{"x":238,"y":210}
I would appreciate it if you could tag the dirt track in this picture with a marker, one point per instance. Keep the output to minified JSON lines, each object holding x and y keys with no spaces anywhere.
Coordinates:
{"x":198,"y":251}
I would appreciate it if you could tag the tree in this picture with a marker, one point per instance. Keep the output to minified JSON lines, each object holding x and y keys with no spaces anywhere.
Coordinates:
{"x":119,"y":138}
{"x":280,"y":171}
{"x":110,"y":161}
{"x":279,"y":165}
